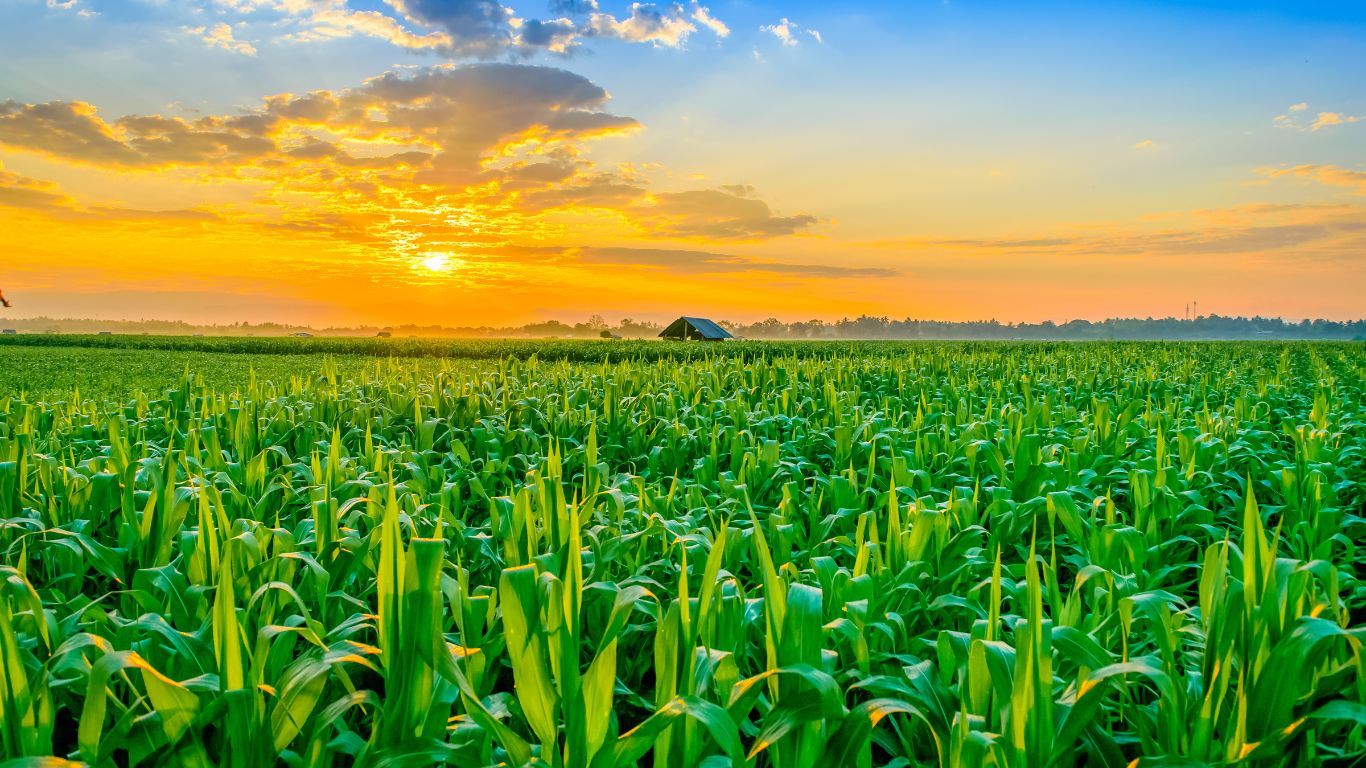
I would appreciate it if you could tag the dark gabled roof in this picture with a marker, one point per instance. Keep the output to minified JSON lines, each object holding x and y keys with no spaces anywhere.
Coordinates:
{"x":707,"y":328}
{"x":700,"y":326}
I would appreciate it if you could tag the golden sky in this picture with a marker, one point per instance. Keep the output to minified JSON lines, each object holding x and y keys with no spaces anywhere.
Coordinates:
{"x":329,"y":162}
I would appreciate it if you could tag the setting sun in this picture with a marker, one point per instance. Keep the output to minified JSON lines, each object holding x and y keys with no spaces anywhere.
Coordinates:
{"x":679,"y":383}
{"x":537,"y":169}
{"x":437,"y":262}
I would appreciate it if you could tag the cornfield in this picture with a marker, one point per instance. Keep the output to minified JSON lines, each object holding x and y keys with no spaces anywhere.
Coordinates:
{"x":798,"y":556}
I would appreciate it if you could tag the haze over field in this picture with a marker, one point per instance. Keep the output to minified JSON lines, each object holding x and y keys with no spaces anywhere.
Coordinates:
{"x":481,"y":163}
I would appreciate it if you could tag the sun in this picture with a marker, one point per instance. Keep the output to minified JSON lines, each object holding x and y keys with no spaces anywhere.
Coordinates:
{"x":437,"y":262}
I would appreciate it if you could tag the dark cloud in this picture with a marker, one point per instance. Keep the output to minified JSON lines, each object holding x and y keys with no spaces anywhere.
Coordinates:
{"x":476,"y":27}
{"x":457,"y":113}
{"x":556,"y":35}
{"x":479,"y":148}
{"x":74,"y":131}
{"x":65,"y":129}
{"x":604,"y":190}
{"x":728,"y":213}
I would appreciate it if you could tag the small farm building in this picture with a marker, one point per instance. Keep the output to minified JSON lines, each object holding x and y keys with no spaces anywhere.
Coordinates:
{"x":694,"y":329}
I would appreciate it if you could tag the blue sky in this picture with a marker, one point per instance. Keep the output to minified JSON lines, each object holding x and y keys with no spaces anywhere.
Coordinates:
{"x":918,"y":138}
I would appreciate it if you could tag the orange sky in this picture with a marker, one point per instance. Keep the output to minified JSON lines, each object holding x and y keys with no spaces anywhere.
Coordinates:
{"x":463,"y":190}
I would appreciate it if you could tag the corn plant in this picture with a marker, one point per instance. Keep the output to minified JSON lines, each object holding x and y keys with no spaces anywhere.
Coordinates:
{"x":768,"y":555}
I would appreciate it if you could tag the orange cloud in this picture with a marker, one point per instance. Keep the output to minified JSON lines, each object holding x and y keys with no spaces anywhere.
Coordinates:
{"x":1321,"y":120}
{"x":488,"y":164}
{"x":1331,"y":175}
{"x":1326,"y":119}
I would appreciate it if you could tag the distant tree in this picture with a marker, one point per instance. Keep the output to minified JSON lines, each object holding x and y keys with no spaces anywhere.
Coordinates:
{"x":1210,"y":326}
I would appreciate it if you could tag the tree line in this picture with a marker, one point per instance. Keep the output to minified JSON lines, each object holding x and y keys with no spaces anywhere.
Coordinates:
{"x":863,"y":327}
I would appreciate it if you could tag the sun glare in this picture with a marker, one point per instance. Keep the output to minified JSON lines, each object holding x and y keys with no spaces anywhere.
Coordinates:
{"x":437,"y":262}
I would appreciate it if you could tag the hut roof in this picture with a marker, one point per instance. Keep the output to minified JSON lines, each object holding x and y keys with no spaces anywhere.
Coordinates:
{"x":694,"y":328}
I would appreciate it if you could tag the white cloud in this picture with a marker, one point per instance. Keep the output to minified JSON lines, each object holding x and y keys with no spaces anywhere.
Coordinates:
{"x":788,"y":31}
{"x":648,"y":23}
{"x":70,"y":5}
{"x":702,"y":15}
{"x":220,"y":36}
{"x":332,"y":23}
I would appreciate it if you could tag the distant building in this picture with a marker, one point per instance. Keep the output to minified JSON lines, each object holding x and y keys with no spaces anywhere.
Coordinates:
{"x":106,"y":333}
{"x":302,"y":335}
{"x":694,"y":329}
{"x":385,"y":334}
{"x":9,"y":332}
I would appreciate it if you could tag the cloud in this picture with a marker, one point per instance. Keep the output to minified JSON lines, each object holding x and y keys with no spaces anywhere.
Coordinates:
{"x":71,"y":5}
{"x":559,"y":36}
{"x":728,"y":213}
{"x":450,"y":114}
{"x":1326,"y":119}
{"x":1325,"y":233}
{"x":1321,"y":120}
{"x":1331,"y":175}
{"x":335,"y":23}
{"x":220,"y":36}
{"x":702,"y":262}
{"x":35,"y":195}
{"x":23,"y":192}
{"x":702,"y":15}
{"x":485,"y":29}
{"x":1146,"y":144}
{"x":479,"y":28}
{"x":788,"y":32}
{"x":74,"y":131}
{"x":669,"y":27}
{"x":448,"y":157}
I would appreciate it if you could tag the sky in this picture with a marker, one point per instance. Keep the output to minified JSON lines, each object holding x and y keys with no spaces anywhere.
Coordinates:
{"x":498,"y":162}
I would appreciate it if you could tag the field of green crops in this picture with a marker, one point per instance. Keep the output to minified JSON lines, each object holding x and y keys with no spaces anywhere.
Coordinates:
{"x":785,"y":555}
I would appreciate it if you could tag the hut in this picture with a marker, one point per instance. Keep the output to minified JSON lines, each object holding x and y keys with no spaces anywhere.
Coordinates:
{"x":694,"y":329}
